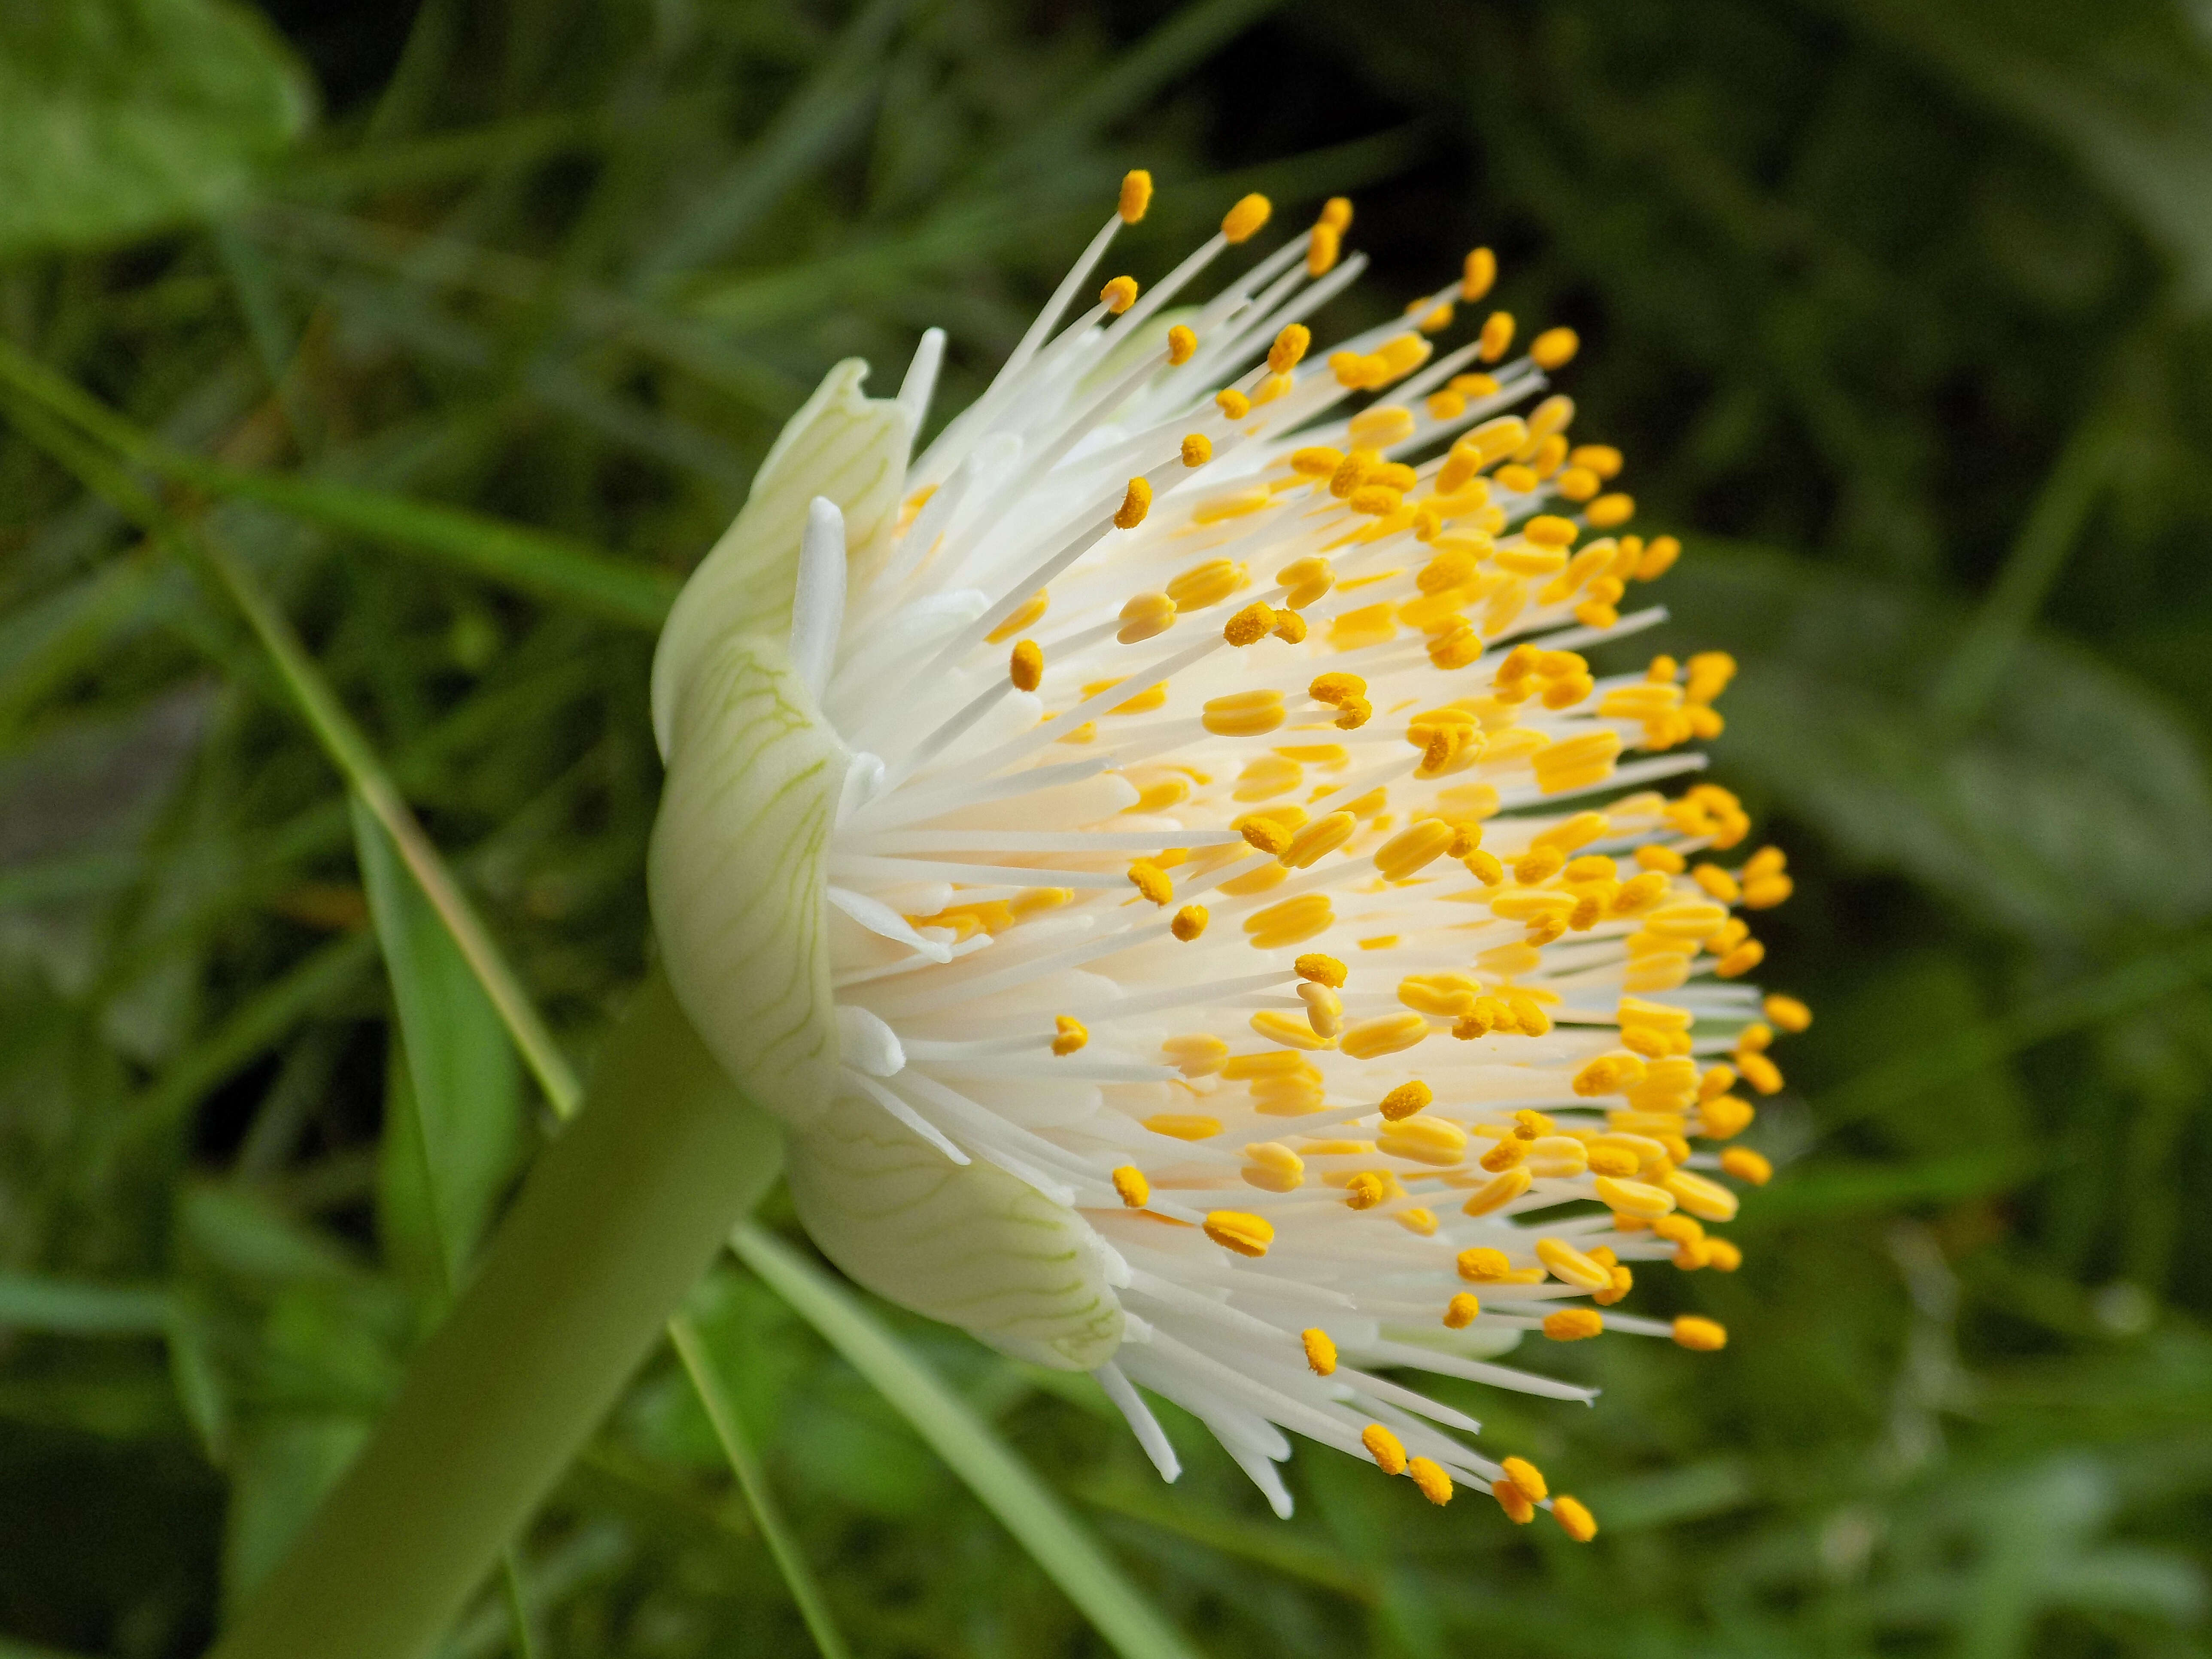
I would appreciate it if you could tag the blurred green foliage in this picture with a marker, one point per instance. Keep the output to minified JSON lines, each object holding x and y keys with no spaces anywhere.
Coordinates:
{"x":1901,"y":314}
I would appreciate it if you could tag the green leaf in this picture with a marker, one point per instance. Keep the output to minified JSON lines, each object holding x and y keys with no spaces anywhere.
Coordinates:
{"x":2078,"y":803}
{"x":455,"y":1128}
{"x":1009,"y":1488}
{"x":125,"y":117}
{"x":73,"y":1308}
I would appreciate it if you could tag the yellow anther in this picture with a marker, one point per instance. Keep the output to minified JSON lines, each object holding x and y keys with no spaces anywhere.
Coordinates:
{"x":1484,"y":868}
{"x":1366,"y":1189}
{"x":1554,"y":348}
{"x":1430,"y":1140}
{"x":1118,"y":295}
{"x":1249,"y":626}
{"x":1315,"y":968}
{"x":1353,"y":714}
{"x":1435,"y":1485}
{"x":1324,"y":1009}
{"x":1197,"y":449}
{"x":1148,"y":878}
{"x":1136,"y":195}
{"x":1548,"y":530}
{"x":1477,"y":273}
{"x":1136,"y":501}
{"x":1786,"y":1012}
{"x":1575,"y":1520}
{"x":1637,"y":1198}
{"x":1497,"y":336}
{"x":1071,"y":1034}
{"x":1507,"y":1154}
{"x":1031,"y":609}
{"x":1025,"y":667}
{"x":1571,"y":1266}
{"x":1462,"y":1310}
{"x":1706,"y":1199}
{"x":1747,"y":1165}
{"x":1135,"y":1191}
{"x":1658,"y":559}
{"x":1386,"y":1034}
{"x":1146,"y":616}
{"x":1244,"y":713}
{"x":1288,"y":1029}
{"x":1189,"y":922}
{"x":1316,"y":461}
{"x":1289,"y":348}
{"x":1483,"y":1265}
{"x":1497,"y":1192}
{"x":1413,"y":849}
{"x":1404,"y":1100}
{"x":1272,"y":1167}
{"x":1704,"y":1335}
{"x":1724,"y":1117}
{"x":1381,"y":427}
{"x":1235,"y":1229}
{"x":1199,"y":1055}
{"x":1574,"y":1324}
{"x":1307,"y":580}
{"x":1335,"y":688}
{"x":1265,"y":835}
{"x":1293,"y":921}
{"x":1601,"y":458}
{"x":1336,"y":213}
{"x":1244,"y":221}
{"x":1232,"y":403}
{"x":1578,"y":483}
{"x":1515,"y":1502}
{"x":1321,"y":1352}
{"x":1527,"y":1478}
{"x":1324,"y":246}
{"x":1384,"y":1448}
{"x":1323,"y":835}
{"x":1717,"y":882}
{"x":1182,"y":345}
{"x":1377,"y":501}
{"x":1181,"y":1125}
{"x":1723,"y":1257}
{"x":1610,"y":512}
{"x":1740,"y":960}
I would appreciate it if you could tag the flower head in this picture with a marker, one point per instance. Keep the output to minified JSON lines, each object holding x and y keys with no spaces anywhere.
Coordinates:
{"x":1167,"y":855}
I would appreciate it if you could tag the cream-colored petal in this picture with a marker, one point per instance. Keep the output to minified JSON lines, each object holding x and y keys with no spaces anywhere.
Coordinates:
{"x":843,"y":444}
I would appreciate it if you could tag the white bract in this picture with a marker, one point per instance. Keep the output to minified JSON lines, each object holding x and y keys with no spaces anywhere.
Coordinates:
{"x":1165,"y":856}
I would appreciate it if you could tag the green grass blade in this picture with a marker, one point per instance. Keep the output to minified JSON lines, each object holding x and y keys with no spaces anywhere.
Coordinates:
{"x":545,"y":566}
{"x":752,"y":1479}
{"x":1056,"y":1540}
{"x":68,"y":1307}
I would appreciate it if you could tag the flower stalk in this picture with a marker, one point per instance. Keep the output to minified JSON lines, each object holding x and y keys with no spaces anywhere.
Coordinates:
{"x":617,"y":1220}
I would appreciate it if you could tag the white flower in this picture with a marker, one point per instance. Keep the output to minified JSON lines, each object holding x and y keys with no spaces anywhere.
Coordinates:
{"x":1165,"y":859}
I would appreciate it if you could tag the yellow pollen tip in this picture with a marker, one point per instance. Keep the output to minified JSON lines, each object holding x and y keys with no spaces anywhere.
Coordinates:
{"x":1182,"y":343}
{"x":1136,"y":195}
{"x":1435,"y":1485}
{"x":1515,"y":1502}
{"x":1072,"y":1034}
{"x":1324,"y":246}
{"x":1575,"y":1520}
{"x":1197,"y":449}
{"x":1148,"y":878}
{"x":1528,"y":1478}
{"x":1704,"y":1335}
{"x":1289,"y":348}
{"x":1118,"y":295}
{"x":1234,"y":1229}
{"x":1321,"y":1352}
{"x":1319,"y":970}
{"x":1336,"y":213}
{"x":1477,"y":274}
{"x":1573,"y":1324}
{"x":1189,"y":922}
{"x":1383,"y":1447}
{"x":1406,"y":1100}
{"x":1554,"y":348}
{"x":1025,"y":667}
{"x":1241,"y":223}
{"x":1461,"y":1310}
{"x":1232,"y":403}
{"x":1250,"y":625}
{"x":1745,"y":1164}
{"x":1130,"y":1183}
{"x":1135,"y":503}
{"x":1786,"y":1012}
{"x":1264,"y":835}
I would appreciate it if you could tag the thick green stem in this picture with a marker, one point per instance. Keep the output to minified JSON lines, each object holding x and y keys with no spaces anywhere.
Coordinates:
{"x":619,"y":1218}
